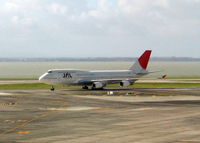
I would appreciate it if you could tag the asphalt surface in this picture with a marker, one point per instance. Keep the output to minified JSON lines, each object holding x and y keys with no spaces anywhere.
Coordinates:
{"x":78,"y":116}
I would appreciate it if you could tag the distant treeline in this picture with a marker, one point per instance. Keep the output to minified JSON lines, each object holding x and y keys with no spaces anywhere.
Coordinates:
{"x":100,"y":59}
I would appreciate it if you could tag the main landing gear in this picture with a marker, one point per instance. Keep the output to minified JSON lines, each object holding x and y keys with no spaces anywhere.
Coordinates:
{"x":85,"y":87}
{"x":93,"y":88}
{"x":52,"y":88}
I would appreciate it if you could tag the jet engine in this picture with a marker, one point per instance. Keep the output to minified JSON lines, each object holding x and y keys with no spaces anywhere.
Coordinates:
{"x":126,"y":83}
{"x":97,"y":85}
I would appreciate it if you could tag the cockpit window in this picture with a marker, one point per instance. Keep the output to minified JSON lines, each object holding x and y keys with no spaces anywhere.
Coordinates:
{"x":49,"y":71}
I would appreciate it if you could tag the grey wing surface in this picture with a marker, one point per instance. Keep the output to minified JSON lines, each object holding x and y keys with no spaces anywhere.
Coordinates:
{"x":107,"y":81}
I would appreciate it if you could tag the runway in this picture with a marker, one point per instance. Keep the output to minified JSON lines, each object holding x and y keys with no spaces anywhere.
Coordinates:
{"x":132,"y":115}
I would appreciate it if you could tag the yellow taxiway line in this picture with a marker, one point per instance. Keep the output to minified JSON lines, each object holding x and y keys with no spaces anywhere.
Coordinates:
{"x":34,"y":119}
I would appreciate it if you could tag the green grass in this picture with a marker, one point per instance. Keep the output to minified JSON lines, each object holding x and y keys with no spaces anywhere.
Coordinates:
{"x":182,"y":77}
{"x":138,"y":85}
{"x":18,"y":78}
{"x":32,"y":86}
{"x":25,"y":86}
{"x":167,"y":85}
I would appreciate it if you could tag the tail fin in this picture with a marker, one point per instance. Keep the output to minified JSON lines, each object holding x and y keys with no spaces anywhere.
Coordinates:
{"x":142,"y":62}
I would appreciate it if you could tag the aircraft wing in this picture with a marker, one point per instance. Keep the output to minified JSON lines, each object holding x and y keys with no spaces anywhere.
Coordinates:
{"x":113,"y":81}
{"x":107,"y":81}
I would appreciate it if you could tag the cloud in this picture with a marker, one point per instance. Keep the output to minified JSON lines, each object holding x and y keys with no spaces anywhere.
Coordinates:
{"x":56,"y":8}
{"x":15,"y":19}
{"x":19,"y":6}
{"x":124,"y":26}
{"x":10,"y":7}
{"x":23,"y":21}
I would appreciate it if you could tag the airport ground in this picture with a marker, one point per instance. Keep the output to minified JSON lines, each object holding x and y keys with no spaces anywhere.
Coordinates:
{"x":75,"y":115}
{"x":186,"y":82}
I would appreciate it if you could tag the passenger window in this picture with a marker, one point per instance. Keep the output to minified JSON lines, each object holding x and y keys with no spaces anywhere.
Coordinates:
{"x":49,"y":71}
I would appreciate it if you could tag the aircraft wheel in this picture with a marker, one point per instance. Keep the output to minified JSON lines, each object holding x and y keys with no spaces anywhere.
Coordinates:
{"x":93,"y":88}
{"x":100,"y":88}
{"x":52,"y":88}
{"x":85,"y":87}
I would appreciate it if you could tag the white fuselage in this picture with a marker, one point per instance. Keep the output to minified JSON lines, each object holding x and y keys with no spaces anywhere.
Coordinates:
{"x":99,"y":78}
{"x":73,"y":77}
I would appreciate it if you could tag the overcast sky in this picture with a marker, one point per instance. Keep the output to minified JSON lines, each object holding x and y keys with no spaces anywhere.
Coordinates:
{"x":99,"y":28}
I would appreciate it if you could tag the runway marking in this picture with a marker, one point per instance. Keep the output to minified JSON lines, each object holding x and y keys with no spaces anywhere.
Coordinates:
{"x":5,"y":94}
{"x":20,"y":121}
{"x":34,"y":119}
{"x":9,"y":104}
{"x":141,"y":109}
{"x":12,"y":121}
{"x":100,"y":108}
{"x":157,"y":94}
{"x":9,"y":121}
{"x":83,"y":108}
{"x":20,"y":133}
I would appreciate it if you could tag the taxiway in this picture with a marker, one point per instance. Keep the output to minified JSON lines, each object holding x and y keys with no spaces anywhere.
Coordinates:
{"x":74,"y":116}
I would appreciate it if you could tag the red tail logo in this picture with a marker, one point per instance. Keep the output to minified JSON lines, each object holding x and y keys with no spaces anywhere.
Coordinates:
{"x":144,"y":59}
{"x":164,"y":76}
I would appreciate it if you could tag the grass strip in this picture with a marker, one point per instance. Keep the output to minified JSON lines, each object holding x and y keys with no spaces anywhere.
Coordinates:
{"x":167,"y":85}
{"x":138,"y":85}
{"x":182,"y":77}
{"x":18,"y":78}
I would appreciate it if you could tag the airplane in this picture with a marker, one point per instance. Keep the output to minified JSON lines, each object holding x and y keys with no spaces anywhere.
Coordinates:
{"x":97,"y":79}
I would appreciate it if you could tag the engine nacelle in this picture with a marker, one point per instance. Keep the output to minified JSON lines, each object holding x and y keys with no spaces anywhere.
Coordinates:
{"x":98,"y":85}
{"x":126,"y":83}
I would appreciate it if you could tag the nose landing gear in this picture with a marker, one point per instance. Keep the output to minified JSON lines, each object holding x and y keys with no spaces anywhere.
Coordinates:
{"x":52,"y":88}
{"x":85,"y":87}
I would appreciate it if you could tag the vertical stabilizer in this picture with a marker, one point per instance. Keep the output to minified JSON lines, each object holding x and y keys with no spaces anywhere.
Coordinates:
{"x":142,"y":63}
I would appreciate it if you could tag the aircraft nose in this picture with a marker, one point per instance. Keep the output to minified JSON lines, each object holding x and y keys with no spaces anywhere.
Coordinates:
{"x":42,"y":77}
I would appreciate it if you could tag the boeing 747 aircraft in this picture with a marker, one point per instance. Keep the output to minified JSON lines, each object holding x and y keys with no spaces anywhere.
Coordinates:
{"x":97,"y":79}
